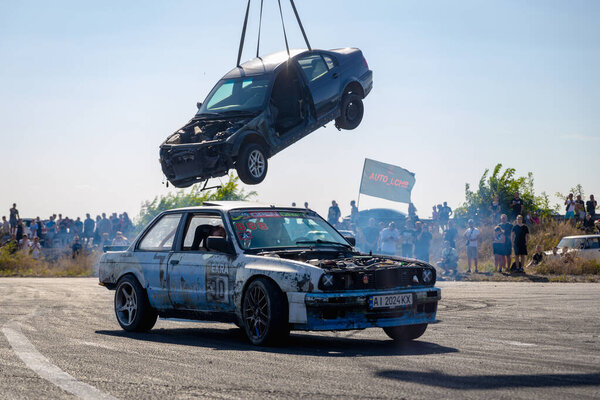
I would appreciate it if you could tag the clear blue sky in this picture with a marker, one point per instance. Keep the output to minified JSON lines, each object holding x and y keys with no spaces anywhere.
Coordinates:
{"x":89,"y":90}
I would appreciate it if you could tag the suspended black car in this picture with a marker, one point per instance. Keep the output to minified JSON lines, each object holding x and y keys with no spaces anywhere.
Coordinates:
{"x":261,"y":107}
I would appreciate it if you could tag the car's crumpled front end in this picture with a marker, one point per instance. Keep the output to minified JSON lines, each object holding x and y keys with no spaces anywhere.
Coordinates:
{"x":200,"y":150}
{"x":368,"y":291}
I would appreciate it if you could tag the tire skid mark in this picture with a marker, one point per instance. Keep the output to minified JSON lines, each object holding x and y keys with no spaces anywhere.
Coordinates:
{"x":39,"y":364}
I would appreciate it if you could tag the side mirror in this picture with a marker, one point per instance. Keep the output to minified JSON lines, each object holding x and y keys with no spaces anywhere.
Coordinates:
{"x":351,"y":240}
{"x":220,"y":244}
{"x":199,"y":104}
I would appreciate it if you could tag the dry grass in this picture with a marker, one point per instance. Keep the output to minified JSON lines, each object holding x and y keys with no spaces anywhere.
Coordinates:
{"x":547,"y":234}
{"x":22,"y":264}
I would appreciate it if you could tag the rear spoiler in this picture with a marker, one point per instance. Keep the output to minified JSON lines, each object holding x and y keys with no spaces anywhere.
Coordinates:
{"x":114,"y":248}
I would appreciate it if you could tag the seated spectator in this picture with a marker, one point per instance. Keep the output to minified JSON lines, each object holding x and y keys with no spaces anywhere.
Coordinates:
{"x":36,"y":248}
{"x":555,"y":254}
{"x":566,"y":255}
{"x":120,"y":240}
{"x":588,"y":224}
{"x":25,"y":243}
{"x":449,"y":260}
{"x":535,"y":218}
{"x":538,"y":256}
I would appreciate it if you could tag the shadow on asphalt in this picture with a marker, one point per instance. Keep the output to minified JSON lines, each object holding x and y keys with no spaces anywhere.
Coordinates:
{"x":300,"y":344}
{"x":478,"y":382}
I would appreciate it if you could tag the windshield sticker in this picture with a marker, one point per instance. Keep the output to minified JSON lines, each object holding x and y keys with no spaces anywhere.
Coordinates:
{"x":292,"y":214}
{"x":238,"y":216}
{"x":245,"y":235}
{"x":252,"y":226}
{"x":239,"y":226}
{"x":265,"y":214}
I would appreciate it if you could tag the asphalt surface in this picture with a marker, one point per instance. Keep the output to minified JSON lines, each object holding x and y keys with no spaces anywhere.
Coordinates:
{"x":496,"y":340}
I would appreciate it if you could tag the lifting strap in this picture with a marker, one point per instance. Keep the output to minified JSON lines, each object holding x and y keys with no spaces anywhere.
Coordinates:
{"x":283,"y":25}
{"x":243,"y":35}
{"x":259,"y":26}
{"x":300,"y":23}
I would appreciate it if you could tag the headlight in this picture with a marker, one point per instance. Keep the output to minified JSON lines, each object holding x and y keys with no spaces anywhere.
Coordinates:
{"x":327,"y":280}
{"x":427,"y":276}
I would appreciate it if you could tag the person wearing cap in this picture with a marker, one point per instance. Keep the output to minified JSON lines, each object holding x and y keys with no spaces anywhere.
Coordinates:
{"x":471,"y":236}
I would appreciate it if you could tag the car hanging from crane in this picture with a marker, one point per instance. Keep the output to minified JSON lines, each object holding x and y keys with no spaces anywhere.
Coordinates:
{"x":263,"y":106}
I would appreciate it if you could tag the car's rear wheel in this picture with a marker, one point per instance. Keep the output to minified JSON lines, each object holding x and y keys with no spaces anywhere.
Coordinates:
{"x":351,"y":111}
{"x":252,"y":164}
{"x":264,"y":313}
{"x":405,"y":333}
{"x":132,"y":307}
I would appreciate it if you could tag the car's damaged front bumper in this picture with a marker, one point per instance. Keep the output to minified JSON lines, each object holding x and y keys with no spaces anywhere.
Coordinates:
{"x":351,"y":310}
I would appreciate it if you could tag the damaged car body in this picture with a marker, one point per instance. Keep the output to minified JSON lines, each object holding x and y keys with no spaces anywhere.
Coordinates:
{"x":267,"y":269}
{"x":263,"y":106}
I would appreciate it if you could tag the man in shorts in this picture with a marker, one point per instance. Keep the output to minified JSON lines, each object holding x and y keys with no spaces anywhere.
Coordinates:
{"x":520,"y":235}
{"x":471,"y":236}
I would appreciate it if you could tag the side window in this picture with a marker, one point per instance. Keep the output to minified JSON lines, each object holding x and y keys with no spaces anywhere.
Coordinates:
{"x":313,"y":67}
{"x":595,"y":243}
{"x":329,"y":61}
{"x":199,"y":227}
{"x":160,"y":237}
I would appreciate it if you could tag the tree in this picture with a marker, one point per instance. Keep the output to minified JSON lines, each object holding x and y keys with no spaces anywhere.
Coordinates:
{"x":194,"y":197}
{"x":504,"y":185}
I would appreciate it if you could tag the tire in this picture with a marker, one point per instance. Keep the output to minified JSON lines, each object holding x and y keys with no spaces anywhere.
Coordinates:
{"x":132,"y":308}
{"x":351,"y":111}
{"x":265,"y":313}
{"x":405,"y":333}
{"x":252,"y":164}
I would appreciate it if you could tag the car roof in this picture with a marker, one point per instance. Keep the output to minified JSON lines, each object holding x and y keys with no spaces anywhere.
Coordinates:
{"x":224,"y":205}
{"x":270,"y":62}
{"x":581,"y":237}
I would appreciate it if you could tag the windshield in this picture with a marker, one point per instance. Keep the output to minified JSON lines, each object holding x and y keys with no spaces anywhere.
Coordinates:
{"x":239,"y":94}
{"x":572,"y":243}
{"x":265,"y":229}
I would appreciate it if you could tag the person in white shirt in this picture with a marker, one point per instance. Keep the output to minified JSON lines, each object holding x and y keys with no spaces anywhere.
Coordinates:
{"x":36,"y":248}
{"x":471,"y":236}
{"x":25,"y":243}
{"x":388,"y":239}
{"x":120,"y":240}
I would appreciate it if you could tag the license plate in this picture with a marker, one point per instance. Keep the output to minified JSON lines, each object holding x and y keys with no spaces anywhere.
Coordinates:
{"x":391,"y":300}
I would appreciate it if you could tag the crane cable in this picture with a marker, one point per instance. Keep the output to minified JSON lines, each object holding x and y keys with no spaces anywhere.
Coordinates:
{"x":259,"y":26}
{"x":283,"y":26}
{"x":243,"y":35}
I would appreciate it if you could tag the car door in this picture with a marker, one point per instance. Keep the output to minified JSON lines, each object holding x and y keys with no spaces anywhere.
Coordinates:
{"x":322,"y":77}
{"x":151,"y":255}
{"x":591,"y":250}
{"x":200,"y":279}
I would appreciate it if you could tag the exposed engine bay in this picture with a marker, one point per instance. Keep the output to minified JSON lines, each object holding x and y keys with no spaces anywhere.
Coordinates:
{"x":199,"y":131}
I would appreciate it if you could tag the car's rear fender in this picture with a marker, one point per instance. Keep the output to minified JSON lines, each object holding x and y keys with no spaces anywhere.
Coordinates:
{"x":114,"y":265}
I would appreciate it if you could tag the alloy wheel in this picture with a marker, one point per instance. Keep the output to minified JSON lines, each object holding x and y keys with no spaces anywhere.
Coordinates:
{"x":256,"y":163}
{"x":256,"y":312}
{"x":127,"y":306}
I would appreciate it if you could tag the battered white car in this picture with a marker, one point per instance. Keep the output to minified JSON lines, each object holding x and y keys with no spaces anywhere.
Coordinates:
{"x":269,"y":270}
{"x":586,"y":247}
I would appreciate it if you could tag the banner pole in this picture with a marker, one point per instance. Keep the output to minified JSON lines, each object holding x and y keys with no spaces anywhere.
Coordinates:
{"x":361,"y":179}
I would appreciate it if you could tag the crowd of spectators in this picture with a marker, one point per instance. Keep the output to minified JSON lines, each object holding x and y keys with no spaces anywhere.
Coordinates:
{"x":58,"y":232}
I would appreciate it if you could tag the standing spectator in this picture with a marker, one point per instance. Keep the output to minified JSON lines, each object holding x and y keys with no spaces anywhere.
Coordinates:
{"x":450,"y":234}
{"x":388,"y":239}
{"x":20,"y":231}
{"x":36,"y":248}
{"x":103,"y":226}
{"x":408,"y":238}
{"x":449,"y":259}
{"x":4,"y":228}
{"x":78,"y":226}
{"x":538,"y":257}
{"x":579,"y":209}
{"x":333,"y":216}
{"x":471,"y":236}
{"x":507,"y":230}
{"x":306,"y":205}
{"x":50,"y":232}
{"x":569,"y":207}
{"x":516,"y":205}
{"x":88,"y":228}
{"x":498,"y":248}
{"x":520,"y":235}
{"x":588,"y":224}
{"x":422,"y":241}
{"x":412,"y":212}
{"x":76,"y":247}
{"x":495,"y":209}
{"x":445,"y":213}
{"x":13,"y":218}
{"x":371,"y":235}
{"x":591,"y":205}
{"x":435,"y":215}
{"x":353,"y":212}
{"x":33,"y":229}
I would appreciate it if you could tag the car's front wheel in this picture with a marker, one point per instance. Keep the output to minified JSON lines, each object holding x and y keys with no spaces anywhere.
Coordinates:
{"x":351,"y":111}
{"x":264,"y":313}
{"x":405,"y":333}
{"x":132,"y":307}
{"x":252,"y":164}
